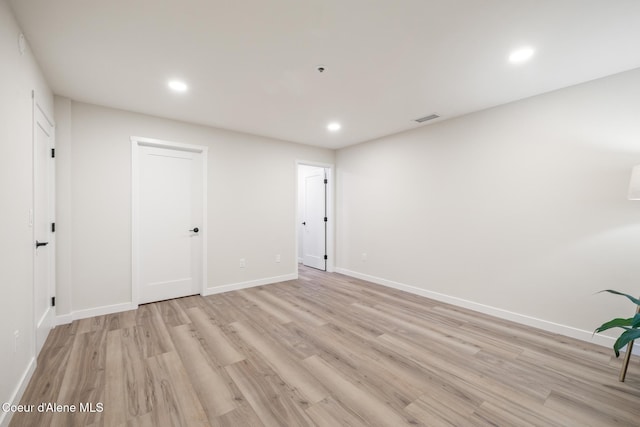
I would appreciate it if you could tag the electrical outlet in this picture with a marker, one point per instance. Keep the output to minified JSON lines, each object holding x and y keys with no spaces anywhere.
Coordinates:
{"x":278,"y":258}
{"x":364,"y":257}
{"x":16,"y":335}
{"x":243,"y":263}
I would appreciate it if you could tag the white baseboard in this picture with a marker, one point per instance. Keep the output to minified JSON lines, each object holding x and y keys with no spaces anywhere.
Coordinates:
{"x":116,"y":308}
{"x":250,"y":284}
{"x":5,"y":417}
{"x":92,"y":312}
{"x":523,"y":319}
{"x":64,"y":319}
{"x":43,"y":327}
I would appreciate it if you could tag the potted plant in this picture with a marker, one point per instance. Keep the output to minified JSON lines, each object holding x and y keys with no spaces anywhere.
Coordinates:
{"x":631,"y":328}
{"x":630,"y":325}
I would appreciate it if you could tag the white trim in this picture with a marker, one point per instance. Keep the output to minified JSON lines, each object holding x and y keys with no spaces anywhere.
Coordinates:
{"x":331,"y":214}
{"x":51,"y":122}
{"x":64,"y":319}
{"x":5,"y":417}
{"x":64,"y":143}
{"x":49,"y":314}
{"x":135,"y":186}
{"x":523,"y":319}
{"x":136,"y":143}
{"x":93,"y":312}
{"x":160,"y":143}
{"x":117,"y":308}
{"x":48,"y":317}
{"x":205,"y":216}
{"x":249,"y":284}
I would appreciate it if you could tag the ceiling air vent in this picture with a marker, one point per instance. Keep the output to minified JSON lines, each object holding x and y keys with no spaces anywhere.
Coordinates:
{"x":427,"y":118}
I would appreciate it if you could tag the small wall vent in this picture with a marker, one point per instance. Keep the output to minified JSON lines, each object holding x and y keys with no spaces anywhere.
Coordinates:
{"x":427,"y":118}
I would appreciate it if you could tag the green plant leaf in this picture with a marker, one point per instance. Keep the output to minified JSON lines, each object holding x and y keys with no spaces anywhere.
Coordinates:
{"x":611,"y":291}
{"x":636,"y":321}
{"x":616,"y":323}
{"x":624,"y":339}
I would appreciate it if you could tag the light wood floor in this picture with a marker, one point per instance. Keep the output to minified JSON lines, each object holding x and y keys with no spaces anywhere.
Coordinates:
{"x":324,"y":350}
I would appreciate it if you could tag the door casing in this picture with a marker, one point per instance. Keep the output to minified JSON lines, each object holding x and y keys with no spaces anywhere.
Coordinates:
{"x":43,"y":167}
{"x":136,"y":143}
{"x":314,"y":229}
{"x":330,"y":231}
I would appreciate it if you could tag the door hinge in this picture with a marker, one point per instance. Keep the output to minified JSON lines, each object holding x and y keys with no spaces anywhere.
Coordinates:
{"x":53,"y":227}
{"x":53,"y":153}
{"x":325,"y":219}
{"x":53,"y":301}
{"x":325,"y":257}
{"x":326,"y":181}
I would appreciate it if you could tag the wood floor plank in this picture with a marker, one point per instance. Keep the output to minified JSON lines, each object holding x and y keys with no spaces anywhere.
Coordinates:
{"x":293,"y":311}
{"x":225,"y":310}
{"x":84,"y":379}
{"x":165,"y":408}
{"x":439,"y":414}
{"x":323,"y":350}
{"x":585,"y":414}
{"x":329,"y":413}
{"x":124,"y":319}
{"x":115,"y":390}
{"x":214,"y":395}
{"x":453,"y":369}
{"x":151,"y":332}
{"x":244,"y":415}
{"x":272,"y":407}
{"x":395,"y":323}
{"x":287,"y":335}
{"x":266,"y":306}
{"x":145,"y":420}
{"x":172,"y":312}
{"x":51,"y":369}
{"x":91,"y":324}
{"x":187,"y":396}
{"x":352,"y":396}
{"x":218,"y":345}
{"x":355,"y":358}
{"x":179,"y":402}
{"x":140,"y":396}
{"x":283,"y":364}
{"x":495,"y":412}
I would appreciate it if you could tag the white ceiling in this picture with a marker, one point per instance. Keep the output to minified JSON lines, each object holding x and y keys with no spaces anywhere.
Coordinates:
{"x":251,"y":64}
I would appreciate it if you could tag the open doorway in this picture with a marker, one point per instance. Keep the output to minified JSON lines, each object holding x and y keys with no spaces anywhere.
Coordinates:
{"x":314,"y":219}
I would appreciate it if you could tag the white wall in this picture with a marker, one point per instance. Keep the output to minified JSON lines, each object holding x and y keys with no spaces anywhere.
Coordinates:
{"x":19,"y":75}
{"x":520,"y":208}
{"x":251,"y":192}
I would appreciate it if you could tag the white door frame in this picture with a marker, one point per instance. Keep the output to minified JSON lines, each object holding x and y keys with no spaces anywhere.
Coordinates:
{"x":331,"y":216}
{"x":49,"y":315}
{"x":136,"y":143}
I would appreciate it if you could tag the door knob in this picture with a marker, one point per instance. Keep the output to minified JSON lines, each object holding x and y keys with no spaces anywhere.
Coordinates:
{"x":304,"y":223}
{"x":195,"y":230}
{"x":38,"y":244}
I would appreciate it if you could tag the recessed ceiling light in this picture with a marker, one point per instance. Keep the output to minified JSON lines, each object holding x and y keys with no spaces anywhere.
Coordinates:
{"x":521,"y":55}
{"x":178,"y":86}
{"x":334,"y":126}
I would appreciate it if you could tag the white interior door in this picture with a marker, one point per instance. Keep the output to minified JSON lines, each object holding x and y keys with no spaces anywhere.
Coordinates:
{"x":169,"y":223}
{"x":314,"y":225}
{"x":43,"y":275}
